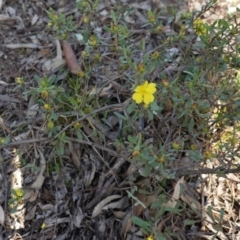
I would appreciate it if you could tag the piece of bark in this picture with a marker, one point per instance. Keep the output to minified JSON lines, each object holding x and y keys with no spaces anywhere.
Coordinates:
{"x":70,"y":58}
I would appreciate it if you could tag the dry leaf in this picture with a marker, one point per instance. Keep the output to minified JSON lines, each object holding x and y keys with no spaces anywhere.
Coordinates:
{"x":75,"y":158}
{"x":78,"y":217}
{"x":22,"y":136}
{"x":176,"y":194}
{"x":39,"y":182}
{"x":70,"y":58}
{"x":101,"y":92}
{"x":162,"y":223}
{"x":119,"y":214}
{"x":98,"y":209}
{"x":7,"y":98}
{"x":30,"y":194}
{"x":31,"y":214}
{"x":126,"y":224}
{"x":34,"y":19}
{"x":118,"y":204}
{"x":147,"y":200}
{"x":22,"y":45}
{"x":33,"y":110}
{"x":46,"y":207}
{"x":40,"y":179}
{"x":2,"y":216}
{"x":89,"y":175}
{"x":189,"y":199}
{"x":55,"y":63}
{"x":52,"y":221}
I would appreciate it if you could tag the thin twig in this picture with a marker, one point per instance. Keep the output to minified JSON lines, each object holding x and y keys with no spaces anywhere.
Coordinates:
{"x":220,"y":171}
{"x":111,"y":152}
{"x":21,"y":142}
{"x":111,"y":107}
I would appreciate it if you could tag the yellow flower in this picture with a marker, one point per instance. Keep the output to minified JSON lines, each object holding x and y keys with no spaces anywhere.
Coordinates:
{"x":47,"y":106}
{"x":84,"y":54}
{"x":19,"y":80}
{"x":93,"y":41}
{"x":150,"y":237}
{"x":158,"y":29}
{"x":54,"y":17}
{"x":43,"y":225}
{"x":155,"y":55}
{"x":208,"y":154}
{"x":97,"y":57}
{"x":50,"y":125}
{"x":151,"y":19}
{"x":49,"y":24}
{"x":141,"y":68}
{"x":199,"y":27}
{"x":44,"y":94}
{"x":76,"y":125}
{"x":135,"y":153}
{"x":81,"y":74}
{"x":165,"y":83}
{"x":114,"y":28}
{"x":144,"y":93}
{"x":86,"y":19}
{"x":19,"y":192}
{"x":193,"y":147}
{"x":161,"y":159}
{"x":176,"y":146}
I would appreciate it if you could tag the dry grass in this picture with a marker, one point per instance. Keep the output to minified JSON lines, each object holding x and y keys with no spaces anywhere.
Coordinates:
{"x":81,"y":160}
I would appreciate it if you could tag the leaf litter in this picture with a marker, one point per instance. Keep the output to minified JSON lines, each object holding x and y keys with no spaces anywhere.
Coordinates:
{"x":87,"y":196}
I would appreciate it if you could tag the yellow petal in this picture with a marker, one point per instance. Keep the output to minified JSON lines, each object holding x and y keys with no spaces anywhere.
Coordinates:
{"x":145,"y":84}
{"x":151,"y":88}
{"x":137,"y":97}
{"x":139,"y":88}
{"x":148,"y":98}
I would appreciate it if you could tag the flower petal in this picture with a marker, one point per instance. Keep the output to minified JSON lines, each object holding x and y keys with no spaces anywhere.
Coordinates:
{"x":148,"y":98}
{"x":151,"y":88}
{"x":139,"y":88}
{"x":145,"y":84}
{"x":137,"y":97}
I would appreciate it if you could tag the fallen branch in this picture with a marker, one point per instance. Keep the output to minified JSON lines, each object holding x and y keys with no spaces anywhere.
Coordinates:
{"x":219,"y":171}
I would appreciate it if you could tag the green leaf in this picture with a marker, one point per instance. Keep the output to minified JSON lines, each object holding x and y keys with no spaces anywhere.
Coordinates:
{"x":190,"y":222}
{"x":173,"y":210}
{"x":160,"y":236}
{"x":154,"y":106}
{"x":11,"y":201}
{"x":60,"y":148}
{"x":191,"y":125}
{"x":131,"y":107}
{"x":14,"y":209}
{"x":54,"y":116}
{"x":86,"y":36}
{"x":73,"y":101}
{"x":37,"y":78}
{"x":79,"y":135}
{"x":145,"y":171}
{"x":217,"y":227}
{"x":221,"y":214}
{"x":79,"y":36}
{"x":150,"y":115}
{"x":52,"y":79}
{"x":113,"y":17}
{"x":141,"y":223}
{"x":132,"y":140}
{"x":120,"y":116}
